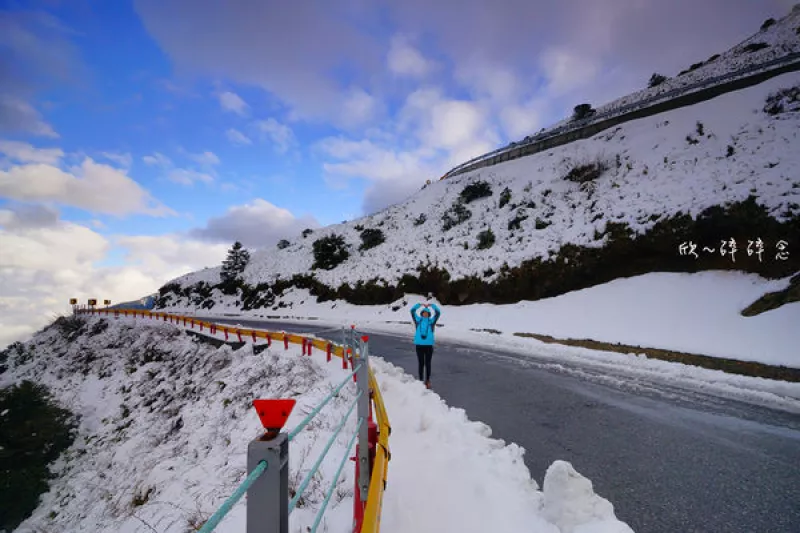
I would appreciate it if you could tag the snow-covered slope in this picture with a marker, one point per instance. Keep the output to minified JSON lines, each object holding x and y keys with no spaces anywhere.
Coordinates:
{"x":165,"y":423}
{"x":655,"y":171}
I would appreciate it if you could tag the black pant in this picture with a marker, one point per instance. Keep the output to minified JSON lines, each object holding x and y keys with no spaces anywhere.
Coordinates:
{"x":424,"y":355}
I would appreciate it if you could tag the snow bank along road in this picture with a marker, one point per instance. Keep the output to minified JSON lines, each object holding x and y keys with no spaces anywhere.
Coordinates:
{"x":671,"y":459}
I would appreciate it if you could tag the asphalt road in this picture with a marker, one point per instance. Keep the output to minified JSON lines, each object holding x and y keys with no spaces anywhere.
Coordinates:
{"x":670,"y":460}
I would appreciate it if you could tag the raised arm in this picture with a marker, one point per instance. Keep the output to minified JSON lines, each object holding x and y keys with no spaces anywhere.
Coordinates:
{"x":436,"y":312}
{"x":414,"y":316}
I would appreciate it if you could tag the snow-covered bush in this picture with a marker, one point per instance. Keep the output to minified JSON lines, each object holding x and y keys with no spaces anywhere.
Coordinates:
{"x":505,"y":197}
{"x":329,"y":252}
{"x":457,"y":214}
{"x":582,"y":111}
{"x":656,"y":79}
{"x":370,"y":238}
{"x":485,"y":239}
{"x":586,"y":172}
{"x":785,"y":100}
{"x":475,"y":191}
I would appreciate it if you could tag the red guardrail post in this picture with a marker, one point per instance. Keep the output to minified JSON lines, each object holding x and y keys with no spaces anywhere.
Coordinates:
{"x":239,"y":334}
{"x":254,"y":336}
{"x":285,"y":341}
{"x":269,"y":340}
{"x":328,"y":354}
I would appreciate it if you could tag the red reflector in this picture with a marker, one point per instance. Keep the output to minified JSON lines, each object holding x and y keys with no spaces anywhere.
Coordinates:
{"x":273,"y":413}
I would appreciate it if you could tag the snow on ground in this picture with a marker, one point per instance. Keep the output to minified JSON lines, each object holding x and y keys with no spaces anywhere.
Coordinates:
{"x":658,"y":174}
{"x":695,"y":313}
{"x":168,"y":419}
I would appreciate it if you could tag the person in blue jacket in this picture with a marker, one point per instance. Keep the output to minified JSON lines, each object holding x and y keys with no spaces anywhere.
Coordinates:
{"x":424,"y":325}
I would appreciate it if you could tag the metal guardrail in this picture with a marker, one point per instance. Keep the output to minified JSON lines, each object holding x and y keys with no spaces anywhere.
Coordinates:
{"x":268,"y":456}
{"x":625,"y":109}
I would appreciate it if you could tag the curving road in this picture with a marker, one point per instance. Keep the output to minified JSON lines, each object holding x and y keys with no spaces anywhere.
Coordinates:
{"x":670,"y":460}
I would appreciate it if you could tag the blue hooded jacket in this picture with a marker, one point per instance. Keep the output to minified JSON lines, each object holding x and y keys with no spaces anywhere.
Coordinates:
{"x":425,"y":325}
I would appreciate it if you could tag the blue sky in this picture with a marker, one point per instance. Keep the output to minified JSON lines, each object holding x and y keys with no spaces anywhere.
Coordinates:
{"x":139,"y":139}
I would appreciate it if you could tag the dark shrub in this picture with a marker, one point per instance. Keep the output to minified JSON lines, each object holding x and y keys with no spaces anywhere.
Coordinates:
{"x":420,"y":220}
{"x":370,"y":238}
{"x":582,"y":111}
{"x":700,"y":129}
{"x":779,"y":101}
{"x":542,"y":224}
{"x":586,"y":172}
{"x":454,"y":216}
{"x":475,"y":191}
{"x":515,"y":223}
{"x":505,"y":197}
{"x":329,"y":252}
{"x":691,"y":140}
{"x":283,"y":244}
{"x":307,"y":232}
{"x":730,"y":151}
{"x":755,"y":47}
{"x":257,"y":297}
{"x":656,"y":79}
{"x":485,"y":239}
{"x":34,"y":433}
{"x":71,"y":326}
{"x":767,"y":23}
{"x":713,"y":58}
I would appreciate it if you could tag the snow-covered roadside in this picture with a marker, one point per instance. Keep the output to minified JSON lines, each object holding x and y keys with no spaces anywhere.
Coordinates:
{"x":167,"y":420}
{"x":448,"y":474}
{"x":695,"y":313}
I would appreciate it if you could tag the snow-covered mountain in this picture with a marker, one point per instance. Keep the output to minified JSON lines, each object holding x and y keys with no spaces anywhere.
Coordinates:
{"x":616,"y":205}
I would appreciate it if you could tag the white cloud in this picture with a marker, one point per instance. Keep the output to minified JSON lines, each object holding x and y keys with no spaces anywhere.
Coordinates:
{"x":48,"y":266}
{"x":496,"y":82}
{"x":17,"y":115}
{"x":233,"y":102}
{"x":432,"y":134}
{"x":157,"y":160}
{"x":123,"y":160}
{"x":405,"y":60}
{"x":237,"y":137}
{"x":26,"y":153}
{"x":365,"y":159}
{"x":359,"y":108}
{"x":188,"y":177}
{"x":280,"y":134}
{"x":567,"y":70}
{"x":444,"y":123}
{"x":91,"y":186}
{"x":258,"y":223}
{"x":521,"y":120}
{"x":28,"y":216}
{"x":170,"y":255}
{"x":205,"y":158}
